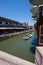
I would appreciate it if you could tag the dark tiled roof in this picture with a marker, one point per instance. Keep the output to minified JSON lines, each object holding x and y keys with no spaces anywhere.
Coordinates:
{"x":8,"y":20}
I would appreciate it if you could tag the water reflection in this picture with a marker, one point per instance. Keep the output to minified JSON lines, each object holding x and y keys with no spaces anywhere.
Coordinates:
{"x":32,"y":49}
{"x":34,"y":43}
{"x":19,"y":47}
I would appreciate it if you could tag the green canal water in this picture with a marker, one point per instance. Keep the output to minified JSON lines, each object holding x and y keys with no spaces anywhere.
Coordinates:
{"x":18,"y":47}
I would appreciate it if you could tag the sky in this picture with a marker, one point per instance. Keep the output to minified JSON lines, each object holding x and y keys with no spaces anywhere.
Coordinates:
{"x":18,"y":10}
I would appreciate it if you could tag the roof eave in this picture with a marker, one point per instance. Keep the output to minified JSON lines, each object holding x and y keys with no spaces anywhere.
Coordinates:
{"x":36,"y":2}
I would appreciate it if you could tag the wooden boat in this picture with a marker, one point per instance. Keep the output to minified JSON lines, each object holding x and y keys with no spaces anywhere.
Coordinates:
{"x":25,"y":38}
{"x":30,"y":35}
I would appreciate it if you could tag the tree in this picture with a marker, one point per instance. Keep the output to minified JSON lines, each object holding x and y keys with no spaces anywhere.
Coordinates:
{"x":27,"y":23}
{"x":35,"y":26}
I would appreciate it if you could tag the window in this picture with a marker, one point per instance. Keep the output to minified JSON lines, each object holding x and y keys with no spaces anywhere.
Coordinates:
{"x":41,"y":29}
{"x":10,"y":23}
{"x":41,"y":39}
{"x":3,"y":22}
{"x":42,"y":11}
{"x":6,"y":22}
{"x":41,"y":34}
{"x":0,"y":22}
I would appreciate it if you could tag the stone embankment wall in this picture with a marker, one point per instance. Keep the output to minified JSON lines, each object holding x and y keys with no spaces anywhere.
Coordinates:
{"x":5,"y":36}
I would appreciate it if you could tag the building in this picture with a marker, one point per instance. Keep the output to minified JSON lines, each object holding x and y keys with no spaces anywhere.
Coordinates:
{"x":37,"y":12}
{"x":10,"y":27}
{"x":40,"y":26}
{"x":36,"y":2}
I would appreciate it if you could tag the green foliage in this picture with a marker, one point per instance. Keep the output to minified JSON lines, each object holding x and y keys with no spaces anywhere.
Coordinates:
{"x":35,"y":26}
{"x":26,"y":24}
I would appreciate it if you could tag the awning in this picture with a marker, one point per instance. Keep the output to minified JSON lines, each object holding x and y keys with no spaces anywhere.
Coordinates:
{"x":36,"y":2}
{"x":35,"y":11}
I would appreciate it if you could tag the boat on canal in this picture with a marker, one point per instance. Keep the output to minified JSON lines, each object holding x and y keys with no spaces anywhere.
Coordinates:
{"x":29,"y":35}
{"x":26,"y":38}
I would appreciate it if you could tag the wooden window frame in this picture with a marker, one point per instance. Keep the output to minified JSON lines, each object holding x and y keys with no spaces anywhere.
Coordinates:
{"x":40,"y":34}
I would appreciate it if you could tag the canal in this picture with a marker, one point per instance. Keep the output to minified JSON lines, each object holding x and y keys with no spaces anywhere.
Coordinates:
{"x":19,"y":47}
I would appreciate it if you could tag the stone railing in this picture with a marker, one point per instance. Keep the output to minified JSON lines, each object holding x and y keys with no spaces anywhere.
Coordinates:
{"x":39,"y":56}
{"x":7,"y":59}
